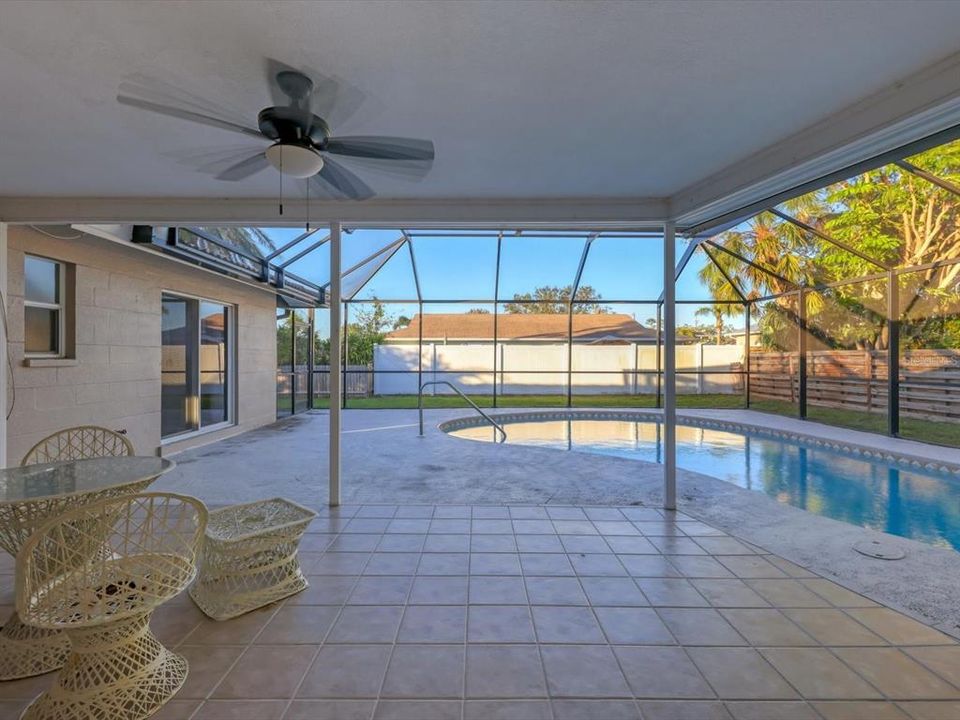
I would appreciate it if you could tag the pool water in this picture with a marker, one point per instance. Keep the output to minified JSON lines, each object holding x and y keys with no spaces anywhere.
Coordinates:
{"x":913,"y":503}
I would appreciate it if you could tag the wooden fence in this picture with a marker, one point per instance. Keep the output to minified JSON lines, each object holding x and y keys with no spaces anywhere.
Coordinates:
{"x":358,"y":380}
{"x":857,"y":380}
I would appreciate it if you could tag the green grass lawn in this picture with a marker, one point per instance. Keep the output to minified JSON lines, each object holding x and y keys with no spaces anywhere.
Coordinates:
{"x":941,"y":433}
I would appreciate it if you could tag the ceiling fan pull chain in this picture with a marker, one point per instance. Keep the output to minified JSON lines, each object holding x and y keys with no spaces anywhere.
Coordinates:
{"x":308,"y":207}
{"x":281,"y":180}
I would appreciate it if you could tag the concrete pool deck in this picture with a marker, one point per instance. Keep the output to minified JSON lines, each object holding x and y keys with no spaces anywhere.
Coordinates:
{"x":385,"y":461}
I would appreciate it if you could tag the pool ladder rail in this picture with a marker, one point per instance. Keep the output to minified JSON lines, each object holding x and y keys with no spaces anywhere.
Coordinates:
{"x":497,"y":426}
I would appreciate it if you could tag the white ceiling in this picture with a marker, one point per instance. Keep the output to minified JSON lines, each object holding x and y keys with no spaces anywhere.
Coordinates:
{"x":522,"y":99}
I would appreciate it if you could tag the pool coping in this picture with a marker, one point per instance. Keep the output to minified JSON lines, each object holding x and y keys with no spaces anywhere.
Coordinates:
{"x":904,"y":459}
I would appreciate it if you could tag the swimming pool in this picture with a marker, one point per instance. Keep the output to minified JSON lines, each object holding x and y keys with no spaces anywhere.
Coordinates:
{"x":913,"y":502}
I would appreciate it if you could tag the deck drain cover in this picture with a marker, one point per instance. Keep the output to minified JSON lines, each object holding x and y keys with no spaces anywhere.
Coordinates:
{"x":879,"y":549}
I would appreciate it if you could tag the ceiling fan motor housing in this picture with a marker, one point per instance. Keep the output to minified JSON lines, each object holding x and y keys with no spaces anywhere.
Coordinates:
{"x":289,"y":124}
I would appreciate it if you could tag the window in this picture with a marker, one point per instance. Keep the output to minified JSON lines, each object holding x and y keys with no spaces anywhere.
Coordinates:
{"x":197,"y":371}
{"x":44,"y":312}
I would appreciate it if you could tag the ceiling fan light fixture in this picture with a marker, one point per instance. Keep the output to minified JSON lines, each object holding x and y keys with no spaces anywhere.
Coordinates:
{"x":293,"y":159}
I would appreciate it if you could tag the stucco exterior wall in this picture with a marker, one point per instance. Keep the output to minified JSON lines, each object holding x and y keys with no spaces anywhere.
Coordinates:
{"x":541,"y":368}
{"x":115,"y":381}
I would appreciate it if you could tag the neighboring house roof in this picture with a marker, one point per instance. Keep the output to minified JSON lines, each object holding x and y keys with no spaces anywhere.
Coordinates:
{"x":599,"y":327}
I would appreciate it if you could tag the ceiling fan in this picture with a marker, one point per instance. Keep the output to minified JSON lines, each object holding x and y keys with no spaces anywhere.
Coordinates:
{"x":301,"y":141}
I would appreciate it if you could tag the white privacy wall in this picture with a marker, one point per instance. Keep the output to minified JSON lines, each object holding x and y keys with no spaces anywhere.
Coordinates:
{"x":538,"y":368}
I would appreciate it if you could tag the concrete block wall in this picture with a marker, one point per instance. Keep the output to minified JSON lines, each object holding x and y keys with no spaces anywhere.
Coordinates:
{"x":115,"y":381}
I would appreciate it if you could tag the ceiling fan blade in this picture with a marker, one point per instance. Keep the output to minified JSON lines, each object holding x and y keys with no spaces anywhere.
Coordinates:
{"x":343,"y":182}
{"x":382,"y":147}
{"x":292,"y":89}
{"x":161,"y":92}
{"x":401,"y":169}
{"x":210,"y":160}
{"x":274,"y":68}
{"x":332,"y":98}
{"x":245,"y":168}
{"x":336,"y":100}
{"x":188,"y":115}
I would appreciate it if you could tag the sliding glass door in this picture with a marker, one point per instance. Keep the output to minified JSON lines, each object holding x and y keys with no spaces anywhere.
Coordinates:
{"x":214,"y":363}
{"x":295,"y":360}
{"x":196,"y":364}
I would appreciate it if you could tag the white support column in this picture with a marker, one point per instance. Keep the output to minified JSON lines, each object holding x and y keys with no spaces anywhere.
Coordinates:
{"x":336,"y":385}
{"x":669,"y":368}
{"x":4,"y":367}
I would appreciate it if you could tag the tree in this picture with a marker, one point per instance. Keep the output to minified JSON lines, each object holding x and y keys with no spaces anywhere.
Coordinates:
{"x":321,"y":350}
{"x":718,"y":312}
{"x":285,"y":340}
{"x":478,"y":311}
{"x":888,"y":214}
{"x":897,"y":217}
{"x":903,"y":220}
{"x":771,"y":243}
{"x":368,"y":329}
{"x":694,"y":333}
{"x":711,"y":276}
{"x":556,"y":300}
{"x":293,"y":340}
{"x":401,"y":322}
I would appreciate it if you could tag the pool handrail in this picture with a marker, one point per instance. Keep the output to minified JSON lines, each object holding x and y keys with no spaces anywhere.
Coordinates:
{"x":496,"y":425}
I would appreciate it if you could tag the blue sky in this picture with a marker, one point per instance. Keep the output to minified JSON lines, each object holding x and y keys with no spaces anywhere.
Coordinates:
{"x":464,"y":268}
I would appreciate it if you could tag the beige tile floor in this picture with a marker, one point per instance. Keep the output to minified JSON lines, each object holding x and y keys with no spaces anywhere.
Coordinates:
{"x":533,"y":612}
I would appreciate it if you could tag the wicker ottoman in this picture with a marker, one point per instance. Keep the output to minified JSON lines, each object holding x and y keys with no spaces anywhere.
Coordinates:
{"x":249,"y":557}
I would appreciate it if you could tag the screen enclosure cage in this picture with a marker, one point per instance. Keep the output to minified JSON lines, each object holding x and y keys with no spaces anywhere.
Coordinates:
{"x":840,"y":304}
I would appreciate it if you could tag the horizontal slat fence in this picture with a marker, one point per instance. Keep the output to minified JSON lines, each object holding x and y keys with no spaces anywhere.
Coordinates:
{"x":857,"y":380}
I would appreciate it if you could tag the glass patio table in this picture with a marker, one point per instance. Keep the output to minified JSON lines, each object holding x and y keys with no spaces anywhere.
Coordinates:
{"x":31,"y":495}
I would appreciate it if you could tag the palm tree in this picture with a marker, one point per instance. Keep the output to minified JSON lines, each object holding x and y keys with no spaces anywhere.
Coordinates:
{"x":789,"y":253}
{"x":719,"y":312}
{"x":721,"y":290}
{"x":776,"y":244}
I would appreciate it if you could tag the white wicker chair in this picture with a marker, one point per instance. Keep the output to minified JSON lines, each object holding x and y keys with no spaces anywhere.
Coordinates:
{"x":78,"y":443}
{"x":98,"y":572}
{"x":26,"y":651}
{"x":249,"y":557}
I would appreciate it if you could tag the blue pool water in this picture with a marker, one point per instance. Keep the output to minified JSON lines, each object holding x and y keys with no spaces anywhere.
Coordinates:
{"x":914,"y":503}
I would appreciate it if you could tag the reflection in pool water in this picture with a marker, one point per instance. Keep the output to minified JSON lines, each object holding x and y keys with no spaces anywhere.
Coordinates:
{"x":914,"y":503}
